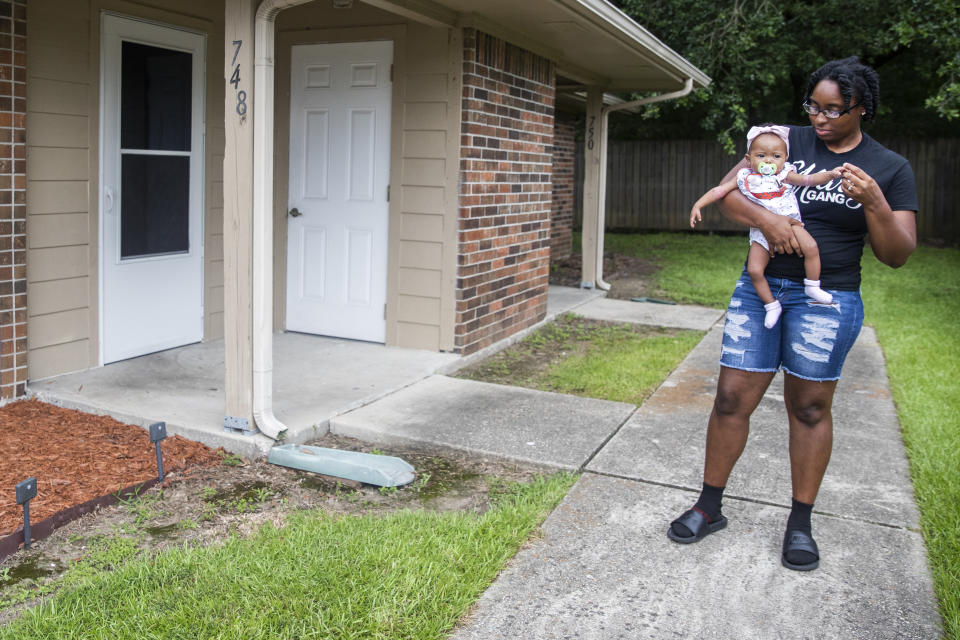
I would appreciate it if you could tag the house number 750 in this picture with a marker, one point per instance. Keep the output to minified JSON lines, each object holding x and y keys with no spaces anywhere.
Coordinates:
{"x":235,"y":80}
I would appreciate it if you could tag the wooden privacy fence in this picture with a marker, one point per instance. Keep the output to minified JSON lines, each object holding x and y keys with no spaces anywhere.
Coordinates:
{"x":651,"y":184}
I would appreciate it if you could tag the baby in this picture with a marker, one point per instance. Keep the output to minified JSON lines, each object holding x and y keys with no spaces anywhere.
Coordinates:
{"x":770,"y":182}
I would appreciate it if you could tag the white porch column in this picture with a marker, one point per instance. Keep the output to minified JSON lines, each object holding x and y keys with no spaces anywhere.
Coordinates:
{"x":238,"y":211}
{"x":593,"y":150}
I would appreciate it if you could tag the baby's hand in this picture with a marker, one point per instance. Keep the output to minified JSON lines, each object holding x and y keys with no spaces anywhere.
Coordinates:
{"x":694,"y":217}
{"x":836,"y":172}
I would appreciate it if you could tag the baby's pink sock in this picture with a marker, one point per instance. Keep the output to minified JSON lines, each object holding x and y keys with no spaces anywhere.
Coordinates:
{"x":773,"y":314}
{"x":812,"y":289}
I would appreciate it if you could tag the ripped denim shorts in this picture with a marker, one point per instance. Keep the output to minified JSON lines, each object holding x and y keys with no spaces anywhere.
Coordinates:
{"x":810,"y":341}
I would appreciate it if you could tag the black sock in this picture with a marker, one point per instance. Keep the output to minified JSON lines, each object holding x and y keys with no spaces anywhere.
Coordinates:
{"x":708,"y":504}
{"x":800,"y":516}
{"x":799,"y":520}
{"x":710,"y":501}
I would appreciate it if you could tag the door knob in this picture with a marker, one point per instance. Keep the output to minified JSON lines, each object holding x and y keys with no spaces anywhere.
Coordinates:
{"x":108,"y":199}
{"x":295,"y":213}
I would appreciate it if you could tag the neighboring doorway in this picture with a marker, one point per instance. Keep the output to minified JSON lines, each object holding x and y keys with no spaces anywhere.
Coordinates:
{"x":151,"y":188}
{"x":337,"y":225}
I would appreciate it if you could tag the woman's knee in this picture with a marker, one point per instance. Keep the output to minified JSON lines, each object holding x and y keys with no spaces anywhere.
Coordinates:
{"x":739,"y":392}
{"x":728,"y":403}
{"x":808,"y":402}
{"x":811,"y":413}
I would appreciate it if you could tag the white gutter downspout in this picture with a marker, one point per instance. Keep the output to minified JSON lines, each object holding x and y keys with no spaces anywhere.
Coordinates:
{"x":263,"y":54}
{"x":602,"y":196}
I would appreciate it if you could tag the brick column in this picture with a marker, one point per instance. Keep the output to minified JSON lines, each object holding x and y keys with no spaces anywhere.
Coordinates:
{"x":505,"y":193}
{"x":561,"y":220}
{"x":13,"y":207}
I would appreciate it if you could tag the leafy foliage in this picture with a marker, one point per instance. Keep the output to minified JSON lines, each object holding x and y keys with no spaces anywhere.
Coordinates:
{"x":760,"y":53}
{"x":936,"y":24}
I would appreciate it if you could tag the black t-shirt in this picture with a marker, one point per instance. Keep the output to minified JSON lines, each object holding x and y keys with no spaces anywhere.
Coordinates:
{"x":835,"y":221}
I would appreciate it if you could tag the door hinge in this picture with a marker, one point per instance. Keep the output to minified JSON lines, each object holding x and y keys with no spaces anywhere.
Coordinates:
{"x":388,"y":193}
{"x":384,"y":311}
{"x":391,"y":73}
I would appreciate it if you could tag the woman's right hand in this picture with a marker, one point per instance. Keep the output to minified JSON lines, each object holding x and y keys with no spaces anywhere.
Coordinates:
{"x":778,"y":230}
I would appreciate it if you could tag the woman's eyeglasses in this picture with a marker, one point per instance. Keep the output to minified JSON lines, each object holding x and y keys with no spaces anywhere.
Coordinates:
{"x":813,"y":110}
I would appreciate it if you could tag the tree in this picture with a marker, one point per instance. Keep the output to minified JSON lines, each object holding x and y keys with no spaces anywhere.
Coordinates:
{"x":936,"y":24}
{"x":760,"y":53}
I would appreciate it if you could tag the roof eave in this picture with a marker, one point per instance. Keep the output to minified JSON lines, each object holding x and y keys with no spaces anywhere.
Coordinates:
{"x":610,"y":20}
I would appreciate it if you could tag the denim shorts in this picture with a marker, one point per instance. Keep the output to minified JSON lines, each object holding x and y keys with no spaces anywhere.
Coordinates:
{"x":810,"y":341}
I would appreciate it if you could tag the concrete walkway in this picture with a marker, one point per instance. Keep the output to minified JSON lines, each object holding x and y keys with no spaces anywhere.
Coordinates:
{"x":603,"y":567}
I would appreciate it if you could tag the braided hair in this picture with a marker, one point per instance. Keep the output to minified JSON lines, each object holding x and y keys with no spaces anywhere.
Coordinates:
{"x":856,"y":81}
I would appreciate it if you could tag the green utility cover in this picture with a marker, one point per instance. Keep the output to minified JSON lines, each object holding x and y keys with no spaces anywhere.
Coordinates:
{"x":383,"y":471}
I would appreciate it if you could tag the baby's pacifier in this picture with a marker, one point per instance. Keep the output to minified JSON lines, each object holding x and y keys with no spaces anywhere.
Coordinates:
{"x":767,"y":168}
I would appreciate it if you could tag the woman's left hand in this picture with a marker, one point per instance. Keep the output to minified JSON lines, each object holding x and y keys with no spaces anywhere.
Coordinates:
{"x":857,"y":184}
{"x":893,"y":234}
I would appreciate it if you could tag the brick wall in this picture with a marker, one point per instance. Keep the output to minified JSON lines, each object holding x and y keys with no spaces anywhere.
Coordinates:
{"x":505,"y":191}
{"x":561,"y":220}
{"x":13,"y":208}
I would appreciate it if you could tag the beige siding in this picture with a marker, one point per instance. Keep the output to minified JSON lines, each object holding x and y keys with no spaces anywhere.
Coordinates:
{"x":56,"y":96}
{"x":57,"y":295}
{"x":56,"y":263}
{"x":421,"y":255}
{"x":424,"y":163}
{"x":57,"y":164}
{"x":71,"y":356}
{"x":419,"y":310}
{"x":414,"y":333}
{"x":430,"y":120}
{"x":60,"y":196}
{"x":58,"y":328}
{"x":421,"y":225}
{"x":62,"y":159}
{"x":58,"y":230}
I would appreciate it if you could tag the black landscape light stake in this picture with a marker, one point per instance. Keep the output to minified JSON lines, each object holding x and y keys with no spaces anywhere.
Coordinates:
{"x":26,"y":490}
{"x":158,"y":431}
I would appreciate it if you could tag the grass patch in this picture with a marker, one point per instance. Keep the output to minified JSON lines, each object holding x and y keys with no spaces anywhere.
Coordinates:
{"x":621,"y":365}
{"x":408,"y":574}
{"x":590,"y":358}
{"x":914,"y":311}
{"x":694,"y":268}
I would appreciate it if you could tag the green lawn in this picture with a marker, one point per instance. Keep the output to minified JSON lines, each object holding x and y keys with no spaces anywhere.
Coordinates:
{"x":620,"y":365}
{"x":915,"y":311}
{"x":409,"y":574}
{"x":619,"y":362}
{"x":694,"y":268}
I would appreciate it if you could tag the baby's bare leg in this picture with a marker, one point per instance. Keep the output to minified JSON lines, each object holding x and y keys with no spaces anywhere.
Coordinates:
{"x":811,"y":252}
{"x":811,"y":266}
{"x":757,"y":261}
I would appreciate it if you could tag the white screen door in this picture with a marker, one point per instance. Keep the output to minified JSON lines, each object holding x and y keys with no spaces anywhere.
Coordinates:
{"x":339,"y":172}
{"x":151,"y":188}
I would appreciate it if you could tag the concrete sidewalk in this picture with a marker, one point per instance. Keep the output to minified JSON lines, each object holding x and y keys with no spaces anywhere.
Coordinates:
{"x":603,"y":567}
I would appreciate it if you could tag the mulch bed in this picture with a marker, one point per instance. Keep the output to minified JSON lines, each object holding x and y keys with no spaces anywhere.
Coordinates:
{"x":77,"y":457}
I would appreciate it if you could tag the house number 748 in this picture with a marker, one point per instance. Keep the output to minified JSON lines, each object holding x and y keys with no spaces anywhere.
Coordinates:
{"x":235,"y":80}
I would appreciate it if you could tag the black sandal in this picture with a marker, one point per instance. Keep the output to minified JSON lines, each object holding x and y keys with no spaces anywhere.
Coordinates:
{"x":797,"y":540}
{"x":699,"y":525}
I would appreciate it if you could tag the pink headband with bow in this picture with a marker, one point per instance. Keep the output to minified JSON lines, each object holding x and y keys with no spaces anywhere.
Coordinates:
{"x":778,"y":130}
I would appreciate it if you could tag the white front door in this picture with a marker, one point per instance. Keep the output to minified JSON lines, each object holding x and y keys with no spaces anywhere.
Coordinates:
{"x":151,"y":188}
{"x":339,"y":173}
